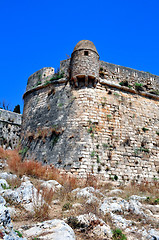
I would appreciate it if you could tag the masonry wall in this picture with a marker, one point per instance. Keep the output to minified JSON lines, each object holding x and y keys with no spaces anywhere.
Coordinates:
{"x":117,"y":74}
{"x":10,"y":128}
{"x":39,"y":77}
{"x":82,"y":65}
{"x":101,"y":130}
{"x":121,"y":133}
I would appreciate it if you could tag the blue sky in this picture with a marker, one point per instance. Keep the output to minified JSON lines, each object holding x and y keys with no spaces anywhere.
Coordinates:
{"x":36,"y":34}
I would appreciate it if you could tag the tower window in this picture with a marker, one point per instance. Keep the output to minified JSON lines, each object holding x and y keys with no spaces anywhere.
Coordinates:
{"x":85,"y":53}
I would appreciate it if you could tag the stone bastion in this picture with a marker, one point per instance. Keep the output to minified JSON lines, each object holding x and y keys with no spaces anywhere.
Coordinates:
{"x":93,"y":116}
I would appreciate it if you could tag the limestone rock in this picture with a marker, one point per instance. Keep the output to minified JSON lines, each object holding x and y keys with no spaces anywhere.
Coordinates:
{"x":51,"y":184}
{"x":88,"y":193}
{"x":6,"y":175}
{"x":51,"y":230}
{"x":6,"y":226}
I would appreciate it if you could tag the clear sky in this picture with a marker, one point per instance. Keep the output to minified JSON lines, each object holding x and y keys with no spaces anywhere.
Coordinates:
{"x":36,"y":34}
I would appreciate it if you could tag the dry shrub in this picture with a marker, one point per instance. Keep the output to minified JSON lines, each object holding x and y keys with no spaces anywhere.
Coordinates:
{"x":36,"y":169}
{"x":14,"y":182}
{"x":41,"y":203}
{"x":91,"y":181}
{"x":69,"y":182}
{"x":47,"y":172}
{"x":3,"y":154}
{"x":92,"y":207}
{"x":143,"y":188}
{"x":13,"y":160}
{"x":51,"y":173}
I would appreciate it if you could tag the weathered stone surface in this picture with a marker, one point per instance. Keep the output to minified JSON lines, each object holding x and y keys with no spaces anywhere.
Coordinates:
{"x":51,"y":184}
{"x":100,"y":228}
{"x":51,"y":230}
{"x":6,"y":227}
{"x":10,"y":128}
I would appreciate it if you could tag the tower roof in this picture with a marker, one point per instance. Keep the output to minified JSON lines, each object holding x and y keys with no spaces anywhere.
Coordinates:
{"x":85,"y":44}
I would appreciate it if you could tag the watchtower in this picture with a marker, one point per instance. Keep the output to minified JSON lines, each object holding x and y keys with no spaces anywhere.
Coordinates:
{"x":84,"y":66}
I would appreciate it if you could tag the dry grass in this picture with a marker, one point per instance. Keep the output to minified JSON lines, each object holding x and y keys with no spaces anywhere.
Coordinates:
{"x":145,"y":188}
{"x":37,"y":170}
{"x":47,"y":172}
{"x":91,"y":181}
{"x":14,"y":182}
{"x":41,"y":203}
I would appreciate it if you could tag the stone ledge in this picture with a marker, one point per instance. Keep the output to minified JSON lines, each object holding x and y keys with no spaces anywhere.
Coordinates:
{"x":126,"y":89}
{"x":62,"y":80}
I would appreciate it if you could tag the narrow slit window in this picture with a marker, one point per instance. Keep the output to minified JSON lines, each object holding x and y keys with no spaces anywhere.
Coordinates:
{"x":86,"y":53}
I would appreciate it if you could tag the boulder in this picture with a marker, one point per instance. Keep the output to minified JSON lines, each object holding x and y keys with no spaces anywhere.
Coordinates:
{"x":51,"y":230}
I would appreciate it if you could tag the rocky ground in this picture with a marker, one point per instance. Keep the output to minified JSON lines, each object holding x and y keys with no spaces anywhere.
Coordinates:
{"x":31,"y":208}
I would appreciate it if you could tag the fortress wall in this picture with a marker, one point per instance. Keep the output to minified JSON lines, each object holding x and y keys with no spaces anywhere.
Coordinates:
{"x":48,"y":132}
{"x":100,"y":130}
{"x":116,"y":74}
{"x":64,"y":66}
{"x":39,"y":77}
{"x":121,"y":130}
{"x":10,"y":127}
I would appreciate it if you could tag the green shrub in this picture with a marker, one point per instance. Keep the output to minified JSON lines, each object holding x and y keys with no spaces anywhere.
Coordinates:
{"x":57,"y":76}
{"x":118,"y":235}
{"x":93,"y":154}
{"x":156,"y":201}
{"x":105,"y":145}
{"x":109,"y":116}
{"x":4,"y":186}
{"x":98,"y":160}
{"x":23,"y":151}
{"x":90,"y":130}
{"x":38,"y":83}
{"x":74,"y":223}
{"x":145,"y":129}
{"x":124,"y":83}
{"x":155,"y":92}
{"x":138,"y":86}
{"x":66,"y":206}
{"x":47,"y":82}
{"x":116,"y":94}
{"x":60,"y":105}
{"x":141,"y":149}
{"x":115,"y":177}
{"x":103,"y":104}
{"x":19,"y":234}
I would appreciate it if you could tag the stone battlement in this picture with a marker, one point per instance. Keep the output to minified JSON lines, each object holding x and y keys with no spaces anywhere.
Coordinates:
{"x":38,"y":77}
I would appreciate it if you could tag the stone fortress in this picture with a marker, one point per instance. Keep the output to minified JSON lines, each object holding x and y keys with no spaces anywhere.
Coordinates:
{"x":93,"y":116}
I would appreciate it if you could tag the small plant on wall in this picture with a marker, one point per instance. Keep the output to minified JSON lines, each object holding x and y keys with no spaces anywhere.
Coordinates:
{"x":109,"y":117}
{"x":124,"y":83}
{"x":91,"y":128}
{"x":145,"y":129}
{"x":92,"y":154}
{"x":139,"y":86}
